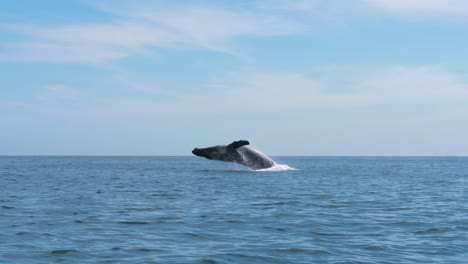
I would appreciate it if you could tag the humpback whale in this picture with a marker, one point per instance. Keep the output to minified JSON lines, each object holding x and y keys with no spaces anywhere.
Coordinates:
{"x":237,"y":152}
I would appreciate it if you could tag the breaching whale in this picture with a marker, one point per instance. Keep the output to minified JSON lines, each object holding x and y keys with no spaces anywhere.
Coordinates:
{"x":237,"y":152}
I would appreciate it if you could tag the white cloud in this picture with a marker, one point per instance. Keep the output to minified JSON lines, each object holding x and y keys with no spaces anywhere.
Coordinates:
{"x":136,"y":27}
{"x":45,"y":51}
{"x":316,"y":7}
{"x":338,"y":10}
{"x":458,"y":7}
{"x":282,"y":91}
{"x":133,"y":30}
{"x":427,"y":84}
{"x":273,"y":92}
{"x":211,"y":25}
{"x":250,"y":92}
{"x":401,"y":6}
{"x":83,"y":43}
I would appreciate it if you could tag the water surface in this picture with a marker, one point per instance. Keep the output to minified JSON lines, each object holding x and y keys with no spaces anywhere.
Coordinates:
{"x":192,"y":210}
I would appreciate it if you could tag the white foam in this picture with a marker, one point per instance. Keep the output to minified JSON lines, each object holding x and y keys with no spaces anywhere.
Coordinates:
{"x":278,"y":167}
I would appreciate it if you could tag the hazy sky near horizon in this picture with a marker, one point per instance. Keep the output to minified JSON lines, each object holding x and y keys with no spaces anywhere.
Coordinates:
{"x":305,"y":77}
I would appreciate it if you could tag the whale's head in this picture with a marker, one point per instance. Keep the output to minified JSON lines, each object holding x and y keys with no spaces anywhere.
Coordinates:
{"x":213,"y":153}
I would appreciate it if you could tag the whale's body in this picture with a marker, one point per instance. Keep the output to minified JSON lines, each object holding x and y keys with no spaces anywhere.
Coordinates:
{"x":237,"y":152}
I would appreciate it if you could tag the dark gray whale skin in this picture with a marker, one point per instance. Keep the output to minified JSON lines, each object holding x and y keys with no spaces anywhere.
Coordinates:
{"x":237,"y":152}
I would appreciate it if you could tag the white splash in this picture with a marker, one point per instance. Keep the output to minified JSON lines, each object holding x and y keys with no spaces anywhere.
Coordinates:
{"x":278,"y":167}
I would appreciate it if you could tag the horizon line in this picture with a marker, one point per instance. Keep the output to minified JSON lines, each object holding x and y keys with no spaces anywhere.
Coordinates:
{"x":175,"y":155}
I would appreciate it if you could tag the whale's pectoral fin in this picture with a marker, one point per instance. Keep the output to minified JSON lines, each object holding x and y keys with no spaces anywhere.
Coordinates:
{"x":238,"y":144}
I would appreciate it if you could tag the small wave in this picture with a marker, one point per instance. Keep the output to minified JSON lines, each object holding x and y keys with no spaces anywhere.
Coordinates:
{"x":133,"y":222}
{"x":433,"y":230}
{"x":149,"y":250}
{"x":23,"y":233}
{"x":63,"y":251}
{"x":278,"y":167}
{"x":208,"y":261}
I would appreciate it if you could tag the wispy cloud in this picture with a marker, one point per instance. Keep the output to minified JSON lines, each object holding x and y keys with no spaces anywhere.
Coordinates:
{"x":423,"y":7}
{"x":337,"y":10}
{"x":410,"y":85}
{"x":136,"y":28}
{"x":283,"y":91}
{"x":275,"y":91}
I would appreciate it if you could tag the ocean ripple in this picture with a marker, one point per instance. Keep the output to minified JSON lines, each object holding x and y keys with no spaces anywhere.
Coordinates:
{"x":188,"y":210}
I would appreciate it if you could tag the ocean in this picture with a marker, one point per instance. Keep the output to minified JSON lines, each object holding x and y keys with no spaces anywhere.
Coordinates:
{"x":65,"y":209}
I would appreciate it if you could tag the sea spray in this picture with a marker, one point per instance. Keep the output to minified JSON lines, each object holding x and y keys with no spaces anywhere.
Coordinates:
{"x":278,"y":167}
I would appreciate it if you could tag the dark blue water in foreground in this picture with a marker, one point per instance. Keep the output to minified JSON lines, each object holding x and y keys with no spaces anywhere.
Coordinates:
{"x":192,"y":210}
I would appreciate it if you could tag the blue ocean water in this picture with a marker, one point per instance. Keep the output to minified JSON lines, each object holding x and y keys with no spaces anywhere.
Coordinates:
{"x":193,"y":210}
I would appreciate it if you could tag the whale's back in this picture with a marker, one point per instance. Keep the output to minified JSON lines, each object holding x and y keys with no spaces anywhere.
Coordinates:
{"x":254,"y":158}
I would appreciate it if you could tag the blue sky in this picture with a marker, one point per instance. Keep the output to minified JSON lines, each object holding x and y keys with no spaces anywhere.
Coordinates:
{"x":305,"y":77}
